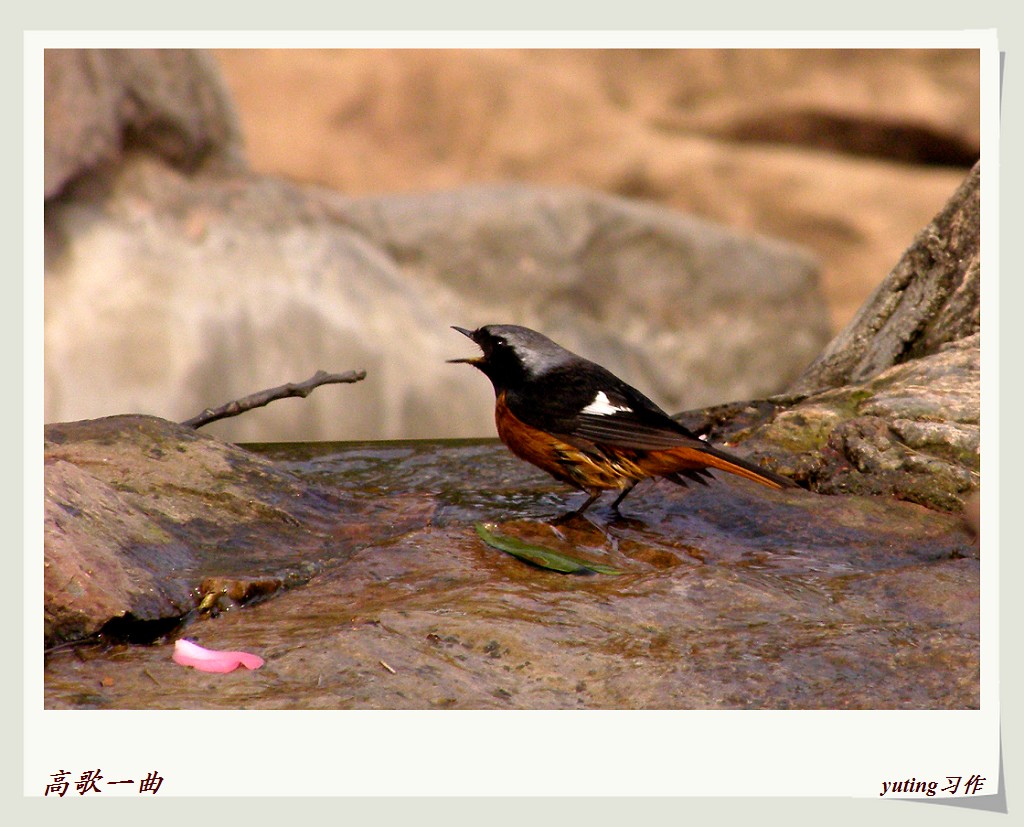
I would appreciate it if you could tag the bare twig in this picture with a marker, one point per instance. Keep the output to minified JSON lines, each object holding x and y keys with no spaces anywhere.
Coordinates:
{"x":258,"y":400}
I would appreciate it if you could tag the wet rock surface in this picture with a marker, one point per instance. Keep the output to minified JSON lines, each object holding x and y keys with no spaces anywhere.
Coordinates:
{"x":145,"y":520}
{"x":731,"y":596}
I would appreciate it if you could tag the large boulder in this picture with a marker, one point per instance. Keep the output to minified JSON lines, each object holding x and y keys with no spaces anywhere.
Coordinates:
{"x":893,"y":404}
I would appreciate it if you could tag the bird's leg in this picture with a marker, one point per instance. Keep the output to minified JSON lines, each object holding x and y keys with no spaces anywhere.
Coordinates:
{"x":579,"y":511}
{"x":622,"y":496}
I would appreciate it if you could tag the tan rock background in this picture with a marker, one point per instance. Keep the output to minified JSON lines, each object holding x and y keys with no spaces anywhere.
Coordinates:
{"x":849,"y":152}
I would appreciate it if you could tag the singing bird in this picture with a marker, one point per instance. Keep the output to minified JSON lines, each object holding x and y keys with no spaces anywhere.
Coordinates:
{"x":586,"y":427}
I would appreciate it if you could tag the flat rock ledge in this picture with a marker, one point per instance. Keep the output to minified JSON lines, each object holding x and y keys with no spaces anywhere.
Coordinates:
{"x":146,"y":519}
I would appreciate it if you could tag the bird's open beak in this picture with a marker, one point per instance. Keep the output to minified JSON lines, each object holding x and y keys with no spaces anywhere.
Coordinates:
{"x":474,"y":360}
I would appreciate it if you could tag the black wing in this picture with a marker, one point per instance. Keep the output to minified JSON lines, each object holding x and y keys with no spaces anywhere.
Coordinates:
{"x":593,"y":404}
{"x":631,"y":420}
{"x":594,"y":407}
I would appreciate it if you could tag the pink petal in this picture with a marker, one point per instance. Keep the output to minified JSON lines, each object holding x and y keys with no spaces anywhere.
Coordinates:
{"x":188,"y":653}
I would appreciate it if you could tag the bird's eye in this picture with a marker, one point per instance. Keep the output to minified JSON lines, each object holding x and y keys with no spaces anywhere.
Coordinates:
{"x":500,"y":342}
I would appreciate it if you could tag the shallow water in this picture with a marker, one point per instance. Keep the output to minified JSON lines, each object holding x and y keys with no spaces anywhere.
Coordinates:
{"x":731,"y":596}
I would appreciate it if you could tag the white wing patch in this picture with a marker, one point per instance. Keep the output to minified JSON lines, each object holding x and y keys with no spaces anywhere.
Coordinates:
{"x":602,"y":406}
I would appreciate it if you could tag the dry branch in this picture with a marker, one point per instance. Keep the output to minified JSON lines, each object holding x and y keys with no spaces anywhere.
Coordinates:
{"x":258,"y":400}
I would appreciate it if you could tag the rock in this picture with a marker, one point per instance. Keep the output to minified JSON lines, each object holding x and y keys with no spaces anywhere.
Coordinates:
{"x":237,"y":285}
{"x":168,"y":293}
{"x":101,"y":102}
{"x":687,"y":309}
{"x":931,"y":298}
{"x":104,"y":559}
{"x":145,"y":518}
{"x":892,"y":406}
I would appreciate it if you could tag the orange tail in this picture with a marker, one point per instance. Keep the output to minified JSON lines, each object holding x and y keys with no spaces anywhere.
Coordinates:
{"x":683,"y":458}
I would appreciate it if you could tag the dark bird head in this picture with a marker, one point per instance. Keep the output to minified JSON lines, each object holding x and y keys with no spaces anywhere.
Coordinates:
{"x":513,"y":355}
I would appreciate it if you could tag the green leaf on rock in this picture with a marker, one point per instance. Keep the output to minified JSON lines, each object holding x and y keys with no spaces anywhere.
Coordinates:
{"x":541,"y":556}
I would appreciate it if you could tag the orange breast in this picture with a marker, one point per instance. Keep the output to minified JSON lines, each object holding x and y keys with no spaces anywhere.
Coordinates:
{"x":587,"y":470}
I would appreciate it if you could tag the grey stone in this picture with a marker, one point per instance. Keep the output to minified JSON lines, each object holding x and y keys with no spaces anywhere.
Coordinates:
{"x":168,"y":293}
{"x":688,"y":309}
